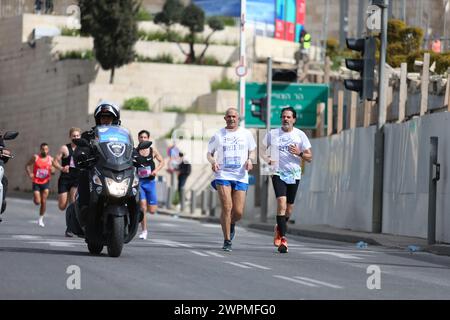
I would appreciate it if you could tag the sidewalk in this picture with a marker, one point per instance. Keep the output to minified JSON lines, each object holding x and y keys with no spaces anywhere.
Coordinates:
{"x":332,"y":233}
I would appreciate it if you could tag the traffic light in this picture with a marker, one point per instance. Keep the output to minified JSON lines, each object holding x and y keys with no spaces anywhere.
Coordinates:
{"x":261,"y":104}
{"x":365,"y":66}
{"x":284,"y":75}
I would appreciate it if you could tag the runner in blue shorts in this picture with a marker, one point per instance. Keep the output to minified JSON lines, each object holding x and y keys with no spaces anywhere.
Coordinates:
{"x":147,"y":172}
{"x":231,"y":152}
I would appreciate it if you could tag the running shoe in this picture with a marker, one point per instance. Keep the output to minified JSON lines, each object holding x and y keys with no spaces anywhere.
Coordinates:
{"x":68,"y":233}
{"x":227,"y":245}
{"x":283,"y":248}
{"x":41,"y":222}
{"x":143,"y":235}
{"x":276,"y":237}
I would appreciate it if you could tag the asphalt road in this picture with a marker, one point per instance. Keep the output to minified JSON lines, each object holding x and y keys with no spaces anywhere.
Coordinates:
{"x":182,"y":259}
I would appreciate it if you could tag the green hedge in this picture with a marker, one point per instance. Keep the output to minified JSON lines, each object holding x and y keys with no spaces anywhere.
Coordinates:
{"x":70,"y":32}
{"x":74,"y":54}
{"x":442,"y":60}
{"x":224,"y":84}
{"x":162,"y":58}
{"x":136,"y":104}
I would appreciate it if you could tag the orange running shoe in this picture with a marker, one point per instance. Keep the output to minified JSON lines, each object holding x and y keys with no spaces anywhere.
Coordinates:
{"x":283,"y":248}
{"x":276,"y":237}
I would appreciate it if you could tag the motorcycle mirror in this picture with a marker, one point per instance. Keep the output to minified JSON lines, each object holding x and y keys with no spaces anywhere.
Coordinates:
{"x":144,"y":145}
{"x":10,"y":135}
{"x":81,"y":142}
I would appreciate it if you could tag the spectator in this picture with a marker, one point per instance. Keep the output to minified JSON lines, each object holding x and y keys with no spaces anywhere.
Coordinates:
{"x":184,"y":170}
{"x":48,"y":6}
{"x":38,"y":6}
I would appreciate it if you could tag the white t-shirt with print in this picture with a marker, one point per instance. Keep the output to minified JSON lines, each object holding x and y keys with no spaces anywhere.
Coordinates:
{"x":287,"y":165}
{"x":231,"y":149}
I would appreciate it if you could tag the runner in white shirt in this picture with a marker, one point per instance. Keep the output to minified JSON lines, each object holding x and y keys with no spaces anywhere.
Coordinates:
{"x":231,"y":152}
{"x":285,"y":148}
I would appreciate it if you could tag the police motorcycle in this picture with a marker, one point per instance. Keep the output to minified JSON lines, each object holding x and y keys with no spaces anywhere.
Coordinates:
{"x":4,"y":157}
{"x":113,"y":215}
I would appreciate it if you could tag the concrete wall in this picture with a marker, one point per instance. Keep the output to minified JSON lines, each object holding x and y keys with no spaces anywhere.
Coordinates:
{"x":407,"y":154}
{"x":337,"y":186}
{"x":218,"y":101}
{"x":151,"y":49}
{"x":41,"y":99}
{"x":164,"y":85}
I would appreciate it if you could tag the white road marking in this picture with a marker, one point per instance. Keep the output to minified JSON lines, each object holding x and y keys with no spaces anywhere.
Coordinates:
{"x":256,"y":266}
{"x":215,"y":254}
{"x":326,"y":284}
{"x":238,"y":265}
{"x":335,"y":254}
{"x":26,"y":237}
{"x":167,"y":225}
{"x":170,"y":243}
{"x":210,"y":225}
{"x":56,"y":243}
{"x":199,"y":253}
{"x":296,"y":281}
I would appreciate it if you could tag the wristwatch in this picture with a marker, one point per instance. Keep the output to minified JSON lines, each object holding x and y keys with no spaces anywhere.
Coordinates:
{"x":301,"y":154}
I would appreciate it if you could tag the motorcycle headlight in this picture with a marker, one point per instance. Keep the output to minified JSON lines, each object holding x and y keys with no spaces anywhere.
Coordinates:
{"x":97,"y":180}
{"x":117,"y":189}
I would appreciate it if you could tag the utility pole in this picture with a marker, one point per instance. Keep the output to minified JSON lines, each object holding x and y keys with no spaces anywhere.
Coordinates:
{"x":362,"y":5}
{"x":382,"y":80}
{"x":265,"y":179}
{"x":343,"y":23}
{"x":325,"y":29}
{"x":241,"y":70}
{"x":403,"y":11}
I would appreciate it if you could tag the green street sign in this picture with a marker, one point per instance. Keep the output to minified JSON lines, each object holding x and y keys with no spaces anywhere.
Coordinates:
{"x":304,"y":98}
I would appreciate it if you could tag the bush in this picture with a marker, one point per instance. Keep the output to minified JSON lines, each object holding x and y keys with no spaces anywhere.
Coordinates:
{"x":144,"y":15}
{"x":175,"y":109}
{"x":83,"y":55}
{"x":136,"y":104}
{"x":162,"y":58}
{"x":212,"y":61}
{"x":224,"y":84}
{"x":70,"y":32}
{"x":442,"y":60}
{"x":160,"y":36}
{"x":228,"y":21}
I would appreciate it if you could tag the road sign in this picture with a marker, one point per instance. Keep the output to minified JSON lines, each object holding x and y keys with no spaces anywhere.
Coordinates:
{"x":302,"y":97}
{"x":374,"y":19}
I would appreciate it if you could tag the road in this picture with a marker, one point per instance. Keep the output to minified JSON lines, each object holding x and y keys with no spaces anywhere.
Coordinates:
{"x":182,"y":259}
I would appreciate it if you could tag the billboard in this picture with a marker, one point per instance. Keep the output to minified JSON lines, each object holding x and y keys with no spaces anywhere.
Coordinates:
{"x":282,"y":19}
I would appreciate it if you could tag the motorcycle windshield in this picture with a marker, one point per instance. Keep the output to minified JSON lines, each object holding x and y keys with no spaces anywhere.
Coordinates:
{"x":116,"y":147}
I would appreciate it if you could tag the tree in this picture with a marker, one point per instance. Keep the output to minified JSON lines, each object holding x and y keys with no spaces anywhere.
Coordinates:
{"x":403,"y":41}
{"x":170,"y":14}
{"x":113,"y":25}
{"x":216,"y":24}
{"x":194,"y":19}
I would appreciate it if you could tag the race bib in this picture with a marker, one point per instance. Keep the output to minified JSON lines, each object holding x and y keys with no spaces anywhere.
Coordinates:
{"x":72,"y":163}
{"x":232,"y":162}
{"x":41,"y":173}
{"x":144,"y":172}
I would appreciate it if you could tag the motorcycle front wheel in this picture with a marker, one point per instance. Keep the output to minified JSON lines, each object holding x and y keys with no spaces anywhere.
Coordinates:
{"x":116,"y":236}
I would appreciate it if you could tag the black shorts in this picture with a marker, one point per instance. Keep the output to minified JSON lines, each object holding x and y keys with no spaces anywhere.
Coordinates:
{"x":282,"y":189}
{"x":41,"y":187}
{"x":65,"y":184}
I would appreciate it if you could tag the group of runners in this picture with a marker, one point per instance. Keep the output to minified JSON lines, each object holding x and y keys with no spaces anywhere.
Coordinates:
{"x":231,"y":153}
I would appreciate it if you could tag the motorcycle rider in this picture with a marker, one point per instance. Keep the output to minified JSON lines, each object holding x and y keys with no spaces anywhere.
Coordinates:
{"x":106,"y":113}
{"x":4,"y":153}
